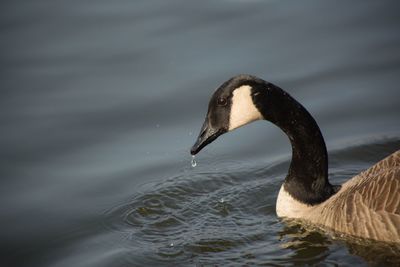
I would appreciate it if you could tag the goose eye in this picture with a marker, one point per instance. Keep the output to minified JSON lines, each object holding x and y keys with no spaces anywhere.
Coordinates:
{"x":222,"y":101}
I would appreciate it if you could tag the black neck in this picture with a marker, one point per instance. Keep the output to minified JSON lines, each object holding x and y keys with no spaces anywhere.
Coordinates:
{"x":307,"y":179}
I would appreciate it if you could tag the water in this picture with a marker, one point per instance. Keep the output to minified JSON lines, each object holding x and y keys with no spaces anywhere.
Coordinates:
{"x":101,"y":102}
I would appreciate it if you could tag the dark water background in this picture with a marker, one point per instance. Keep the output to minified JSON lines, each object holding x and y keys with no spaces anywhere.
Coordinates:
{"x":101,"y":101}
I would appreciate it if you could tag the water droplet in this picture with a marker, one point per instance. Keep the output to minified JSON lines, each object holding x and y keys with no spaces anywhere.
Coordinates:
{"x":193,"y":162}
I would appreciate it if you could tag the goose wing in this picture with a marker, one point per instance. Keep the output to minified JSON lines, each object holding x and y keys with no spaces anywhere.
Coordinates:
{"x":369,"y":204}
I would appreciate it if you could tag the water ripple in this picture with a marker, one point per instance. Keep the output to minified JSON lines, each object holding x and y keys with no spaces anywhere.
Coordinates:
{"x":203,"y":214}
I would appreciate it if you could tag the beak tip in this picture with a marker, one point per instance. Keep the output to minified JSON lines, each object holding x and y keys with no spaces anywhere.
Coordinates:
{"x":203,"y":140}
{"x":193,"y":150}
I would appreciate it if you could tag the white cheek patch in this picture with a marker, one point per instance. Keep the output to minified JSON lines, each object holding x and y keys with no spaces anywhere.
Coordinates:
{"x":243,"y":110}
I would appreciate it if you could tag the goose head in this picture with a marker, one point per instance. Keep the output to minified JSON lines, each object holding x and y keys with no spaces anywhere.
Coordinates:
{"x":244,"y":99}
{"x":232,"y":105}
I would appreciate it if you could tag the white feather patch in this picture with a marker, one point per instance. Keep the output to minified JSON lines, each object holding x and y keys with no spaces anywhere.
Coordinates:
{"x":243,"y":110}
{"x":287,"y":206}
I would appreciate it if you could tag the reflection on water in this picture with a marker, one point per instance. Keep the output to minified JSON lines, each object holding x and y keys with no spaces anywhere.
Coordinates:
{"x":376,"y":254}
{"x":312,"y":245}
{"x":100,"y":100}
{"x":309,"y":247}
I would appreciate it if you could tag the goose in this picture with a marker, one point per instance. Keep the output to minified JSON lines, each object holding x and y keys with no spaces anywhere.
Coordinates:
{"x":366,"y":206}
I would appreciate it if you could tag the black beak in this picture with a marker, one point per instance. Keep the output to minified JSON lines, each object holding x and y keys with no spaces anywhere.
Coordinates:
{"x":206,"y":136}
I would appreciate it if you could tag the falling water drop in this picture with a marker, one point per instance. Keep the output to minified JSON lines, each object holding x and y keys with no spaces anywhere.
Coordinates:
{"x":194,"y":163}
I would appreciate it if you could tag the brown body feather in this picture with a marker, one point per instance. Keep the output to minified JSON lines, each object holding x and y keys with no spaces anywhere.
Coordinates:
{"x":367,"y":206}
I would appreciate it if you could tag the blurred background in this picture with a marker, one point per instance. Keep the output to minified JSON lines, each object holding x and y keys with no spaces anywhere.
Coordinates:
{"x":102,"y":99}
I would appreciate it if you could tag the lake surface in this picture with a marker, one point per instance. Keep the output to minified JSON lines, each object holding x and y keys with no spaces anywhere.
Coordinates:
{"x":102,"y":100}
